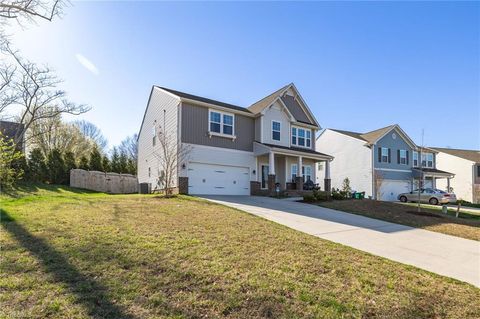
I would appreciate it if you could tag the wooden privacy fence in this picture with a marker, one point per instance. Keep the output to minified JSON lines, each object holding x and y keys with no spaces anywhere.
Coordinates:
{"x":113,"y":183}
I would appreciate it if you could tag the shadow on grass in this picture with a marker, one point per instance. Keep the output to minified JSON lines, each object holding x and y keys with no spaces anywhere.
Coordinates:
{"x":29,"y":188}
{"x":92,"y":295}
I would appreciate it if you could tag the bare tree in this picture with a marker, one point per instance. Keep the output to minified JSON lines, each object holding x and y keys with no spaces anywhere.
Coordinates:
{"x":91,"y":131}
{"x":7,"y":96}
{"x":129,"y":146}
{"x":30,"y":9}
{"x":170,"y":154}
{"x":36,"y":94}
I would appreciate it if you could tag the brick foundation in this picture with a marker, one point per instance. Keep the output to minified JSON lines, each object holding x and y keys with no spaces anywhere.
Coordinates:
{"x":183,"y":185}
{"x":328,"y":185}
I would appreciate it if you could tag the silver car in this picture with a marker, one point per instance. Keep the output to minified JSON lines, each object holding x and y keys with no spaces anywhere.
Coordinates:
{"x":428,"y":195}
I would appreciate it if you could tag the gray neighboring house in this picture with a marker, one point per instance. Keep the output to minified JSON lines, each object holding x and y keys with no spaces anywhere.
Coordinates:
{"x":234,"y":150}
{"x":9,"y":130}
{"x":383,"y":163}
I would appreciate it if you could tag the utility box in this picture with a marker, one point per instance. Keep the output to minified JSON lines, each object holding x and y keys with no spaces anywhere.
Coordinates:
{"x":145,"y":188}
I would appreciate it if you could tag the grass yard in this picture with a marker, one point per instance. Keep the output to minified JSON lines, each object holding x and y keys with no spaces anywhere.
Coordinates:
{"x":466,"y":226}
{"x":73,"y":254}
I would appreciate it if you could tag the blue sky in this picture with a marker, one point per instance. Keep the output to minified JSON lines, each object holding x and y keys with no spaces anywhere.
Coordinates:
{"x":359,"y":65}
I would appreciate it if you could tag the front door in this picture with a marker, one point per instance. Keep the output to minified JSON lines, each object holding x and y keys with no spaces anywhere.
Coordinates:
{"x":264,"y":176}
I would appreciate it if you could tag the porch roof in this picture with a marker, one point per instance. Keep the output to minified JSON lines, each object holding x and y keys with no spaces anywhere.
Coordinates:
{"x":432,"y":172}
{"x":265,"y":148}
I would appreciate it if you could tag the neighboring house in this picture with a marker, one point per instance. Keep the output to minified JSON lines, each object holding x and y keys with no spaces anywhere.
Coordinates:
{"x":9,"y":130}
{"x":465,"y":164}
{"x":233,"y":150}
{"x":383,"y":163}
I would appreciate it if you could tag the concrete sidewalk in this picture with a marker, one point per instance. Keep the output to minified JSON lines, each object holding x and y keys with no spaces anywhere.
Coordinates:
{"x":446,"y":255}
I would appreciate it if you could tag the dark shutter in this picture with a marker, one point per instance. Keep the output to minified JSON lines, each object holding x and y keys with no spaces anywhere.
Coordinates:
{"x":398,"y":156}
{"x":389,"y":156}
{"x":407,"y":158}
{"x":379,"y":154}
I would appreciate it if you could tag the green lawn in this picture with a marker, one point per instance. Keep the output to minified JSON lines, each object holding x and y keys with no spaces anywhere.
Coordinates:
{"x":466,"y":226}
{"x":76,"y":254}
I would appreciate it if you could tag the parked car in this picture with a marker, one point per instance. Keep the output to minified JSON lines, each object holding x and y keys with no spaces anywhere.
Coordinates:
{"x":428,"y":195}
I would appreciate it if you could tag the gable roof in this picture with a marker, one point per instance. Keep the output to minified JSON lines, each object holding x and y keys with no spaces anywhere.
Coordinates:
{"x":373,"y":136}
{"x":294,"y":104}
{"x":204,"y":100}
{"x":470,"y":155}
{"x":258,"y":106}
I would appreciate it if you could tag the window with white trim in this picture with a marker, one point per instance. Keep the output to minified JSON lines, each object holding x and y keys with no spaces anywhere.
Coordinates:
{"x":221,"y":123}
{"x":301,"y":137}
{"x":415,"y":159}
{"x":307,"y":173}
{"x":384,"y":156}
{"x":294,"y":169}
{"x":427,"y":160}
{"x":276,"y":130}
{"x":403,"y":157}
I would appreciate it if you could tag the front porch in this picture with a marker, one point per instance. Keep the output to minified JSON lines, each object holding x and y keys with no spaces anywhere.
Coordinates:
{"x":427,"y":178}
{"x":288,"y":168}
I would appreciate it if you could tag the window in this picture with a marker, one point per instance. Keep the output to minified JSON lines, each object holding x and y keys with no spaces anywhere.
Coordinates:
{"x":415,"y":159}
{"x":149,"y":172}
{"x":221,"y":123}
{"x":384,"y":157}
{"x":275,"y":131}
{"x":307,"y":173}
{"x":427,"y":160}
{"x":301,"y":137}
{"x":402,"y":157}
{"x":320,"y":167}
{"x":294,"y":172}
{"x":478,"y":171}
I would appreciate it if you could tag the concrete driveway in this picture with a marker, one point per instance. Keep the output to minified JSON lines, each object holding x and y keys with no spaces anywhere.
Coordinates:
{"x":442,"y":254}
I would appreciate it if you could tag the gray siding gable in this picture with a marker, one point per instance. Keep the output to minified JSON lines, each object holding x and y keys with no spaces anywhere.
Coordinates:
{"x":297,"y":111}
{"x":194,"y":129}
{"x":394,"y":144}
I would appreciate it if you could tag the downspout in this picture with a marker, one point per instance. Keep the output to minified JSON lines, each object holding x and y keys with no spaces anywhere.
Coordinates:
{"x":374,"y":195}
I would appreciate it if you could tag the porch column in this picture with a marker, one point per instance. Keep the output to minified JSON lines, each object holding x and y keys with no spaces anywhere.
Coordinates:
{"x":299,"y":178}
{"x":271,"y":174}
{"x":448,"y":184}
{"x":327,"y":181}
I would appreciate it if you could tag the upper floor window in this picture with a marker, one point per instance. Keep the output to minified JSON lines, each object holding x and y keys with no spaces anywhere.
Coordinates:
{"x":221,"y":123}
{"x":403,"y":157}
{"x":301,"y":137}
{"x":427,"y":160}
{"x":415,"y":159}
{"x":275,"y":130}
{"x":384,"y":155}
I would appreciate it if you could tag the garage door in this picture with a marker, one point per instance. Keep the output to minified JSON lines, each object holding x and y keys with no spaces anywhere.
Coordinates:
{"x":390,"y":189}
{"x":208,"y":179}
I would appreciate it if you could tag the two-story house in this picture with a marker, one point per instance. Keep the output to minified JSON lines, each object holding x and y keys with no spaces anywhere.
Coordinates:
{"x":383,"y":163}
{"x":465,"y":164}
{"x":232,"y":150}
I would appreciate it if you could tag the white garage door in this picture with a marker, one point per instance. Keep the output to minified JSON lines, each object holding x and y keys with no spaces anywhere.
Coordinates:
{"x":390,"y":189}
{"x":208,"y":179}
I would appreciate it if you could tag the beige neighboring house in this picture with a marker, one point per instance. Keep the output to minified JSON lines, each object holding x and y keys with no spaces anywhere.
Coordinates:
{"x":465,"y":164}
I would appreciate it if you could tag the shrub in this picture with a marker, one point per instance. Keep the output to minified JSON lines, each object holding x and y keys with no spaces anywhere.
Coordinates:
{"x":346,"y":186}
{"x":9,"y":157}
{"x":320,"y":196}
{"x":308,"y":198}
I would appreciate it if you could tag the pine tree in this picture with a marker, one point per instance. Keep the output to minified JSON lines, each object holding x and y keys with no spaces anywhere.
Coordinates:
{"x":115,"y":162}
{"x":70,"y":164}
{"x":106,"y":164}
{"x":131,"y":166}
{"x":83,"y":163}
{"x":123,"y":163}
{"x":55,"y":167}
{"x":37,"y":168}
{"x":95,"y":160}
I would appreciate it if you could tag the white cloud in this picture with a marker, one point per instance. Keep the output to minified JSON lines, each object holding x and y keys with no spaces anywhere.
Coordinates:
{"x":87,"y":64}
